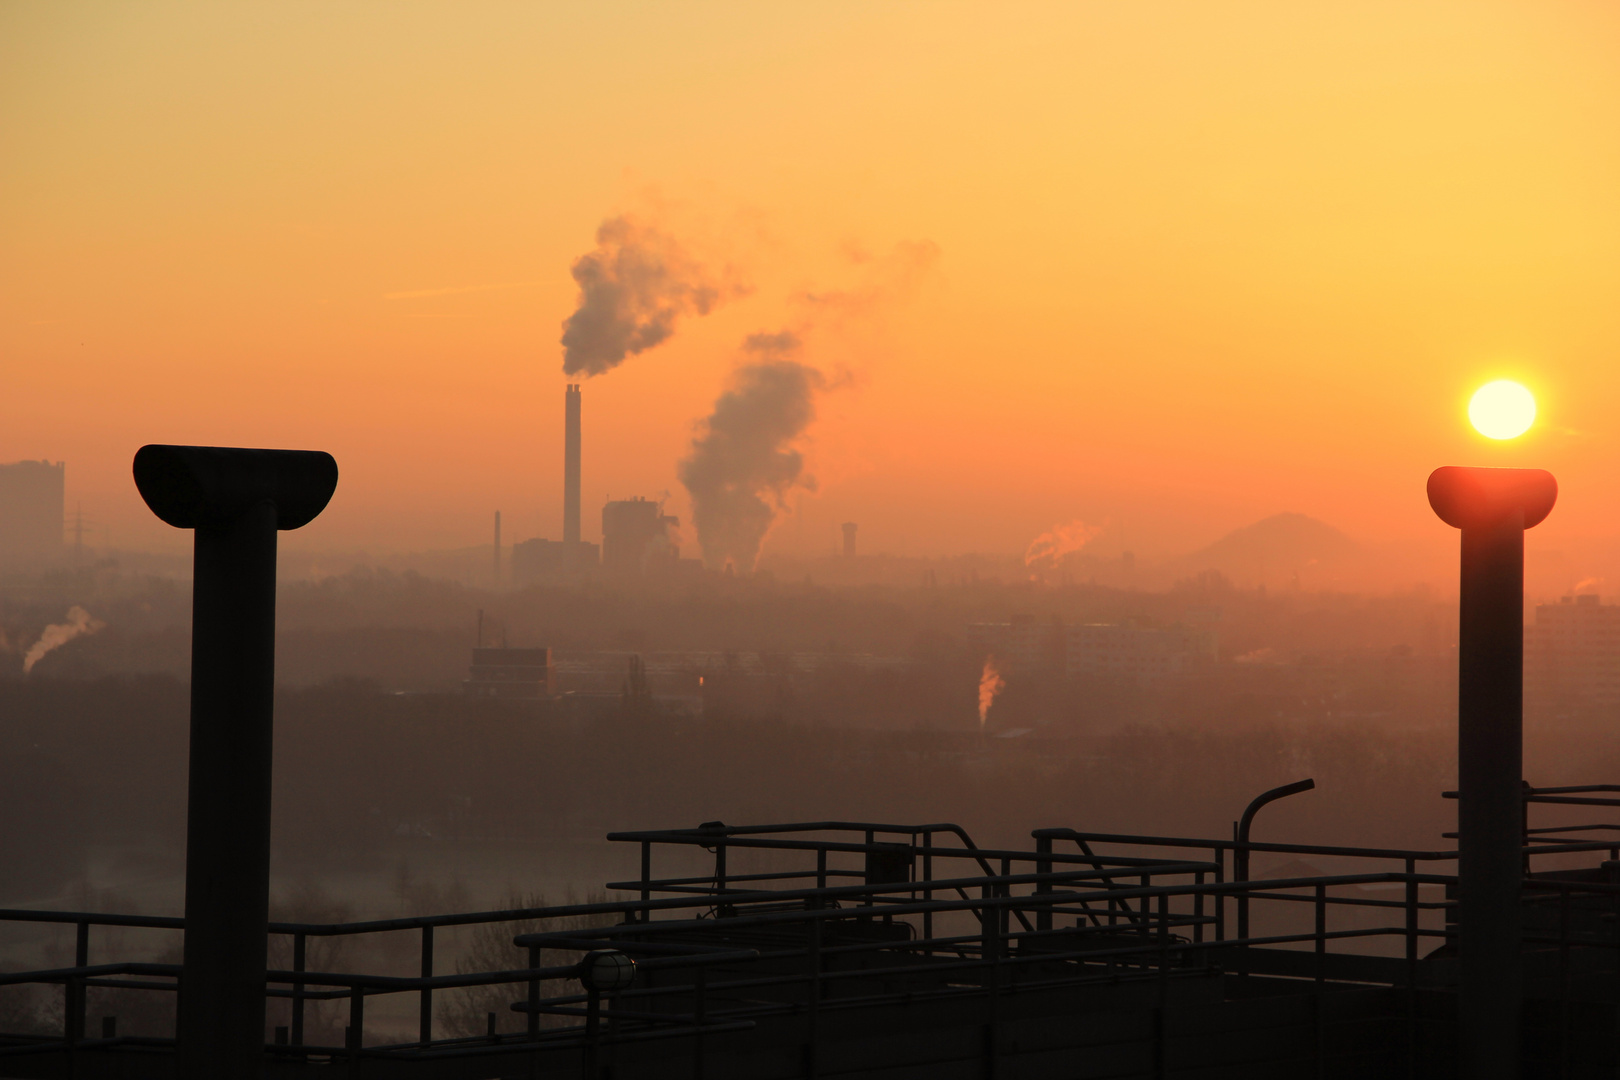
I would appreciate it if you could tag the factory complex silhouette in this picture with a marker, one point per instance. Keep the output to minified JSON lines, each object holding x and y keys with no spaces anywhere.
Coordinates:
{"x":877,"y":949}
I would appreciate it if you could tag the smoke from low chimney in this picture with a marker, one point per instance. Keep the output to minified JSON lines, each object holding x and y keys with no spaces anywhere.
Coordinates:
{"x":990,"y":684}
{"x":56,"y":635}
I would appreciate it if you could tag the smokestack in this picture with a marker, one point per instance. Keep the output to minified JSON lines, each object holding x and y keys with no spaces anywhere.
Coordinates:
{"x":497,"y":548}
{"x":571,"y":469}
{"x":849,"y":539}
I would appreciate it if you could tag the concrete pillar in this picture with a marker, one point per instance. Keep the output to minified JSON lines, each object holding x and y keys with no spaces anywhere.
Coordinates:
{"x":235,"y":500}
{"x":1493,"y":508}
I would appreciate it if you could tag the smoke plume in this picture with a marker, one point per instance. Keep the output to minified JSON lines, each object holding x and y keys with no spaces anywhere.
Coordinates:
{"x":632,"y":289}
{"x":742,"y":465}
{"x":990,"y":684}
{"x":1049,"y":548}
{"x":56,"y":635}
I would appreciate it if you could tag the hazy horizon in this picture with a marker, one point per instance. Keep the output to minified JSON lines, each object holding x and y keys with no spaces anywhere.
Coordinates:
{"x":1183,"y":270}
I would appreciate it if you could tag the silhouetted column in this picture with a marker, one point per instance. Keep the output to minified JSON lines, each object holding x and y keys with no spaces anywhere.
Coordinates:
{"x":235,"y":500}
{"x":1493,"y":508}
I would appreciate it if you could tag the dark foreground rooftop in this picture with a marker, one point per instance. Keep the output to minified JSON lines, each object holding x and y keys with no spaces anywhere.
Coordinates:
{"x":897,"y":951}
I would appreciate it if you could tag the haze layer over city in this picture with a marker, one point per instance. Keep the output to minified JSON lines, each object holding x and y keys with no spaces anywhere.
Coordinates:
{"x":758,"y":413}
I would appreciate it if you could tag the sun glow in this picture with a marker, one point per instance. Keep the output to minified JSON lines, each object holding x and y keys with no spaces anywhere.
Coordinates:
{"x":1502,"y":410}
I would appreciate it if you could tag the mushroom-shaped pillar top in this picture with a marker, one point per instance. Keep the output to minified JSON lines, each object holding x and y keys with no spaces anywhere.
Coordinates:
{"x":1467,"y":498}
{"x":199,"y":486}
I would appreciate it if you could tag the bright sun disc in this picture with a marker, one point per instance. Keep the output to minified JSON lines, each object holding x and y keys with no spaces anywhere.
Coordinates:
{"x":1502,"y":410}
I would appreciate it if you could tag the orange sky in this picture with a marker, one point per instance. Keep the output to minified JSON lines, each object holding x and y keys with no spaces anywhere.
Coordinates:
{"x":1198,"y":263}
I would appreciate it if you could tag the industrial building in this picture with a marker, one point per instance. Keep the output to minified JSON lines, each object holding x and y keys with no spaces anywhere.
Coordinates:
{"x":550,"y":560}
{"x":637,"y":536}
{"x":32,"y":510}
{"x":510,"y":674}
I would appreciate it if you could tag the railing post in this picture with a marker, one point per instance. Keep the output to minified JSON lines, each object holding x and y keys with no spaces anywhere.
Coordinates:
{"x":300,"y":949}
{"x":534,"y":994}
{"x":1411,"y":923}
{"x":1198,"y":908}
{"x":646,"y":878}
{"x":357,"y":1027}
{"x":81,"y":958}
{"x":699,"y":1016}
{"x":812,"y":1064}
{"x":991,"y":930}
{"x":1321,"y":934}
{"x":720,"y":878}
{"x":1563,"y":980}
{"x":425,"y":1020}
{"x":1043,"y":915}
{"x":72,"y":1022}
{"x":928,"y":888}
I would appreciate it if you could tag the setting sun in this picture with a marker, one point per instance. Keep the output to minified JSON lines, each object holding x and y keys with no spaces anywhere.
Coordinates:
{"x":1502,"y":410}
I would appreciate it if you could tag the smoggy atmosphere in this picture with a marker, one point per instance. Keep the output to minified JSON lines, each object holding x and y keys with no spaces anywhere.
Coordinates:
{"x":1014,"y":416}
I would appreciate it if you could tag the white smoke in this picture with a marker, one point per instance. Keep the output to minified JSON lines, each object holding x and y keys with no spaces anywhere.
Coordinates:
{"x":80,"y":622}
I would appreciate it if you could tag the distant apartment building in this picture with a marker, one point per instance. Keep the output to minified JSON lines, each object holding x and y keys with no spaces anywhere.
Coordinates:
{"x":1023,"y":644}
{"x":31,"y":510}
{"x":1572,"y":653}
{"x":1143,"y":655}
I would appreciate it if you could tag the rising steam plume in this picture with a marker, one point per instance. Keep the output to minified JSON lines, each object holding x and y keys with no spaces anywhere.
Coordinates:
{"x":56,"y":635}
{"x":632,"y":290}
{"x":742,"y":464}
{"x":1049,"y":548}
{"x":990,"y":684}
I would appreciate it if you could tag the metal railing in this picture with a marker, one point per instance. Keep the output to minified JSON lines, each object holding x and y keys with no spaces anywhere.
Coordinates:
{"x":859,"y":914}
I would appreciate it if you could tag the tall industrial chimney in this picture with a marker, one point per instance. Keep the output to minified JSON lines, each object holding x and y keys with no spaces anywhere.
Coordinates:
{"x":571,"y":470}
{"x":849,"y":539}
{"x":497,"y":549}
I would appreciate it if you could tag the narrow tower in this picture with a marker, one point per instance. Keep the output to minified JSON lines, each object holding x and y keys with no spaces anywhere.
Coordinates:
{"x":571,"y":470}
{"x":497,"y":549}
{"x":849,"y":539}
